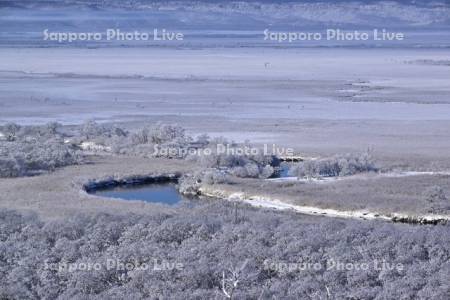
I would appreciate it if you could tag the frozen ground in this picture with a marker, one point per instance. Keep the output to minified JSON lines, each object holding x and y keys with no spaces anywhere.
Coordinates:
{"x":315,"y":100}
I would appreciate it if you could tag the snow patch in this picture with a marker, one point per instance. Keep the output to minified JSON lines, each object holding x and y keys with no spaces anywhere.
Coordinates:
{"x":91,"y":146}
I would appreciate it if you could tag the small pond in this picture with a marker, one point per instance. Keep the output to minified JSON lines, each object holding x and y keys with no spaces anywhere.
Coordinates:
{"x":165,"y":193}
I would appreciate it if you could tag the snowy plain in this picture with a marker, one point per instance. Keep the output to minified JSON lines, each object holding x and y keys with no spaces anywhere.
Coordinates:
{"x":319,"y":98}
{"x":328,"y":99}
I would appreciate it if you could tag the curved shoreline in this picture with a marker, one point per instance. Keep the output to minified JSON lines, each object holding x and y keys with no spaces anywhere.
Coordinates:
{"x":267,"y":202}
{"x":259,"y":201}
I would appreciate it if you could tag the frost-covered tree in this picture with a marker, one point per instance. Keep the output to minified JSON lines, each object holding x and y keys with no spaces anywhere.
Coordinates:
{"x":10,"y":130}
{"x":91,"y":129}
{"x":163,"y":133}
{"x":140,"y":137}
{"x":52,"y":128}
{"x":258,"y":256}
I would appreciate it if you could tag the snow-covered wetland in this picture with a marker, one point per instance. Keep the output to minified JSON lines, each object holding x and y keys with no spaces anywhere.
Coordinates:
{"x":139,"y":170}
{"x":297,"y":229}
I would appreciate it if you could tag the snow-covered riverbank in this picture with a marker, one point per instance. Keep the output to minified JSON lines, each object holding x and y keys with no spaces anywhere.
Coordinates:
{"x":266,"y":202}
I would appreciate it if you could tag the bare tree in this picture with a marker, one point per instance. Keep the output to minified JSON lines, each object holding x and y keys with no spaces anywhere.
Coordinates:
{"x":231,"y":278}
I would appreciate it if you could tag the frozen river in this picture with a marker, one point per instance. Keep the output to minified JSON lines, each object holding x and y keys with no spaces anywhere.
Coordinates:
{"x":70,"y":85}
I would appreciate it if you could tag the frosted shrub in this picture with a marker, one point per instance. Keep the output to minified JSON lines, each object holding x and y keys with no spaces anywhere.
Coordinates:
{"x":266,"y":172}
{"x":239,"y":172}
{"x":203,"y":140}
{"x":239,"y":164}
{"x":170,"y":141}
{"x":140,"y":137}
{"x":35,"y":149}
{"x":90,"y":129}
{"x":10,"y":131}
{"x":189,"y":184}
{"x":252,"y":170}
{"x":215,"y":177}
{"x":52,"y":128}
{"x":163,"y":133}
{"x":213,"y":240}
{"x":338,"y":165}
{"x":307,"y":168}
{"x":38,"y":157}
{"x":120,"y":132}
{"x":12,"y":167}
{"x":52,"y":156}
